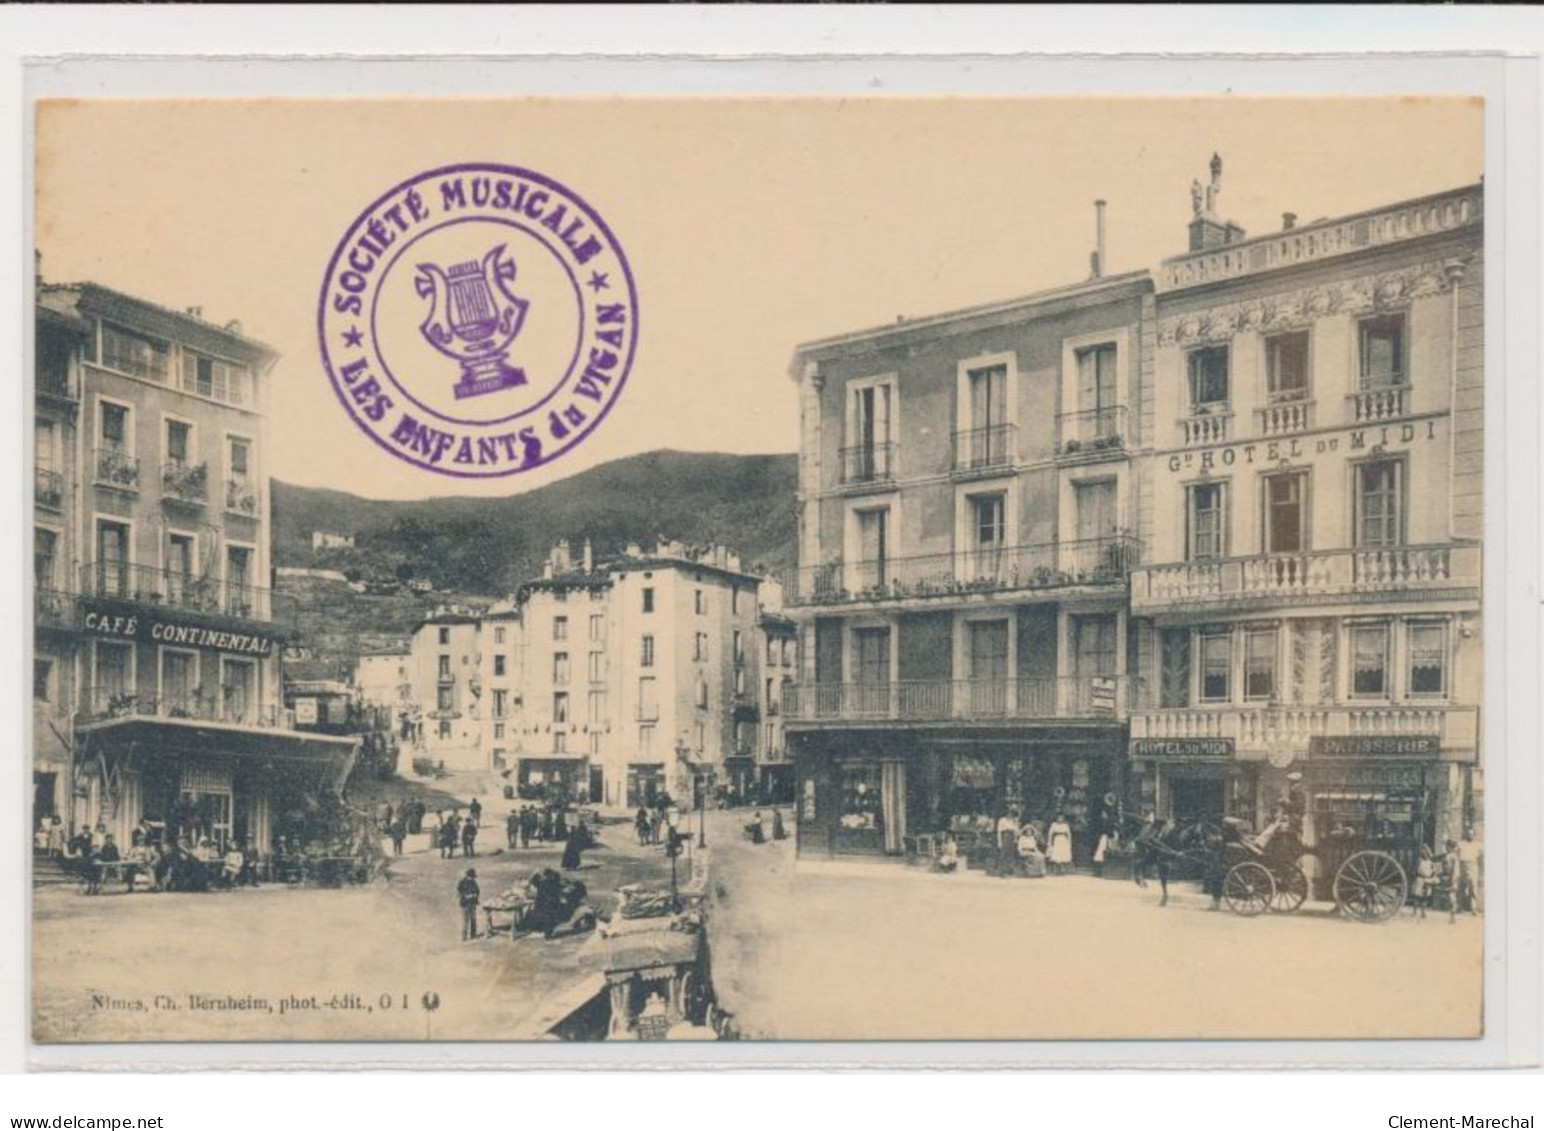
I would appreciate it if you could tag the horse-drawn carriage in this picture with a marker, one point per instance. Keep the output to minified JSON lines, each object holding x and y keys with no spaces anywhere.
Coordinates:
{"x":1266,"y":874}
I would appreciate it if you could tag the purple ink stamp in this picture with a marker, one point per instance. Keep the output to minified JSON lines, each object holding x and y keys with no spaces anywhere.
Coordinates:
{"x":478,"y":320}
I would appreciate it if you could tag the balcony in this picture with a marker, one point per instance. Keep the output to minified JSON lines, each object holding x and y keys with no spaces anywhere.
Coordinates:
{"x":55,"y":380}
{"x":173,"y":589}
{"x":1095,"y":432}
{"x":989,"y":701}
{"x":241,"y":497}
{"x":185,"y":483}
{"x":53,"y":608}
{"x":1053,"y":565}
{"x":1269,"y":727}
{"x":48,"y":488}
{"x":868,"y":463}
{"x":1283,"y":578}
{"x":984,"y":451}
{"x":1378,"y":404}
{"x":115,"y":468}
{"x":231,"y":706}
{"x":1285,"y":417}
{"x":1206,"y":426}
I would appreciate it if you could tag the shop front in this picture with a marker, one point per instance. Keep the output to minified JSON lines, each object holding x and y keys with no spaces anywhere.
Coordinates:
{"x":1198,"y":780}
{"x":557,"y":779}
{"x":739,"y":779}
{"x":645,"y":784}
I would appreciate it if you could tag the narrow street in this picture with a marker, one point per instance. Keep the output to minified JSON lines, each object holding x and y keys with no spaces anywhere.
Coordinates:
{"x":876,"y":950}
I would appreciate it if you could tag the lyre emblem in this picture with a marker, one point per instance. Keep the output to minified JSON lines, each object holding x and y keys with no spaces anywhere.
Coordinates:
{"x":473,"y":318}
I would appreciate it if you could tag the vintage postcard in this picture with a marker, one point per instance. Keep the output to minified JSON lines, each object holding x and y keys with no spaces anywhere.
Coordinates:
{"x":765,"y":569}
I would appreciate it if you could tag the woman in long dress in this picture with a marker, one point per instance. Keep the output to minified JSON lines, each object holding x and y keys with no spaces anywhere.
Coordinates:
{"x":1059,"y":845}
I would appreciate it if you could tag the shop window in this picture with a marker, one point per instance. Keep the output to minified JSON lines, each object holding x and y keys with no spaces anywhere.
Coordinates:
{"x":1208,"y":525}
{"x":1426,"y":650}
{"x":1208,"y":373}
{"x":1216,"y":660}
{"x":861,"y":807}
{"x":1380,"y":503}
{"x":1285,"y":525}
{"x":1381,"y":349}
{"x":1370,"y":661}
{"x":1286,"y":366}
{"x":1260,"y":663}
{"x":1174,"y":667}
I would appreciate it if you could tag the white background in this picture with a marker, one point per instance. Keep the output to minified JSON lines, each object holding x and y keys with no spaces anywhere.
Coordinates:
{"x":1075,"y":1100}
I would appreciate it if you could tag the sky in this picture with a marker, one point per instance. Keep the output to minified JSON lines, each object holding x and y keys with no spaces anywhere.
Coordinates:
{"x":751,"y":224}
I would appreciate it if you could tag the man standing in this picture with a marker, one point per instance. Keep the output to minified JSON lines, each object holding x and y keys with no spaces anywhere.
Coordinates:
{"x":476,"y":811}
{"x":527,"y":825}
{"x":1469,"y":856}
{"x":468,"y":837}
{"x":468,"y":894}
{"x":512,"y":828}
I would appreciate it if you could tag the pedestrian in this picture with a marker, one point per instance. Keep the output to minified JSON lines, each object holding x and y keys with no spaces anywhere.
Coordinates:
{"x":468,"y":837}
{"x":544,"y":829}
{"x":468,"y":894}
{"x":512,"y":828}
{"x":1421,"y":885}
{"x":641,"y":826}
{"x":1470,"y":853}
{"x":398,"y":834}
{"x":560,"y":826}
{"x":1059,"y":845}
{"x":778,"y":831}
{"x":527,"y":825}
{"x":1450,"y":882}
{"x":754,"y":831}
{"x":656,"y":822}
{"x":476,"y":811}
{"x":578,"y":841}
{"x":1007,"y":834}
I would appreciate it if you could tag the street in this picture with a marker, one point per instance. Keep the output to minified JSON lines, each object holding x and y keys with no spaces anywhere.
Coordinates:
{"x":869,"y":951}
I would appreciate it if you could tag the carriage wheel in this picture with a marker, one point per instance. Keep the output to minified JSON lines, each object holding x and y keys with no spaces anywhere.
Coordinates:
{"x":1370,"y":886}
{"x":1291,"y":889}
{"x":1248,"y":888}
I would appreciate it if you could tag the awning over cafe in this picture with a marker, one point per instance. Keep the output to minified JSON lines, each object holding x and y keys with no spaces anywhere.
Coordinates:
{"x":140,"y":738}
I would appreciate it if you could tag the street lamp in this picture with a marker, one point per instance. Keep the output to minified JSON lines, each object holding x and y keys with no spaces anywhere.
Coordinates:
{"x":702,"y":813}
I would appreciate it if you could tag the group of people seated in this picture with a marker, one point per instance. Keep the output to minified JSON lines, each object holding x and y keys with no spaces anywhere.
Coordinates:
{"x":1012,"y":845}
{"x":158,"y":861}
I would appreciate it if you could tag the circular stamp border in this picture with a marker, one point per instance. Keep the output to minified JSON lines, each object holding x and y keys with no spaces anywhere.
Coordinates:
{"x":625,"y":368}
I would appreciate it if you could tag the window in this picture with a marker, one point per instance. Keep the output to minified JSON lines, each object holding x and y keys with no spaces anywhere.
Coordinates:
{"x":986,"y":441}
{"x":1096,"y":385}
{"x":739,"y":681}
{"x":1380,"y":503}
{"x":444,"y":667}
{"x":701,"y":736}
{"x":1426,"y":651}
{"x":444,"y":636}
{"x":498,"y":635}
{"x":1286,"y":366}
{"x":597,"y":707}
{"x":648,"y":700}
{"x":597,"y":667}
{"x":46,"y":455}
{"x":178,"y":683}
{"x":1260,"y":663}
{"x":596,"y":791}
{"x":179,"y":442}
{"x":560,"y":706}
{"x":739,"y":647}
{"x":498,"y":665}
{"x":1208,"y":526}
{"x":1370,"y":660}
{"x":112,"y":552}
{"x":597,"y":626}
{"x":1381,"y":348}
{"x":1208,"y":372}
{"x":1174,"y":667}
{"x":130,"y":353}
{"x":500,"y":702}
{"x":115,"y":427}
{"x":646,"y":742}
{"x":45,"y":557}
{"x":560,"y":668}
{"x":771,"y":697}
{"x":447,"y":698}
{"x":114,"y":671}
{"x":240,"y":458}
{"x":700,"y":693}
{"x":700,"y":599}
{"x":771,"y":651}
{"x":861,"y":807}
{"x":987,"y":534}
{"x":646,"y":655}
{"x":560,"y":628}
{"x":210,"y":378}
{"x":1216,"y":659}
{"x":498,"y":730}
{"x":444,"y":729}
{"x":871,"y":656}
{"x":42,"y":671}
{"x":869,"y":438}
{"x":734,"y":602}
{"x":1285,"y":525}
{"x":648,"y":599}
{"x":238,"y":570}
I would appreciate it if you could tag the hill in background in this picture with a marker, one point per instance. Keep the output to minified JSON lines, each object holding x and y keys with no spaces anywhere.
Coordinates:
{"x":484,"y":547}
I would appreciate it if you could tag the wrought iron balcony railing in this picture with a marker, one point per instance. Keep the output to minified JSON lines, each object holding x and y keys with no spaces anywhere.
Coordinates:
{"x":1066,"y":698}
{"x":185,"y":482}
{"x":115,"y":468}
{"x":174,"y":589}
{"x":54,"y":608}
{"x":868,"y":463}
{"x":1090,"y":561}
{"x":1092,"y":431}
{"x":48,"y":488}
{"x":984,"y":449}
{"x":233,"y":706}
{"x":241,"y":497}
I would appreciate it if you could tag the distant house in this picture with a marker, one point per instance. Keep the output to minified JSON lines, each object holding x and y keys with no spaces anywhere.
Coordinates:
{"x":293,"y":573}
{"x":330,"y":540}
{"x":421,"y":585}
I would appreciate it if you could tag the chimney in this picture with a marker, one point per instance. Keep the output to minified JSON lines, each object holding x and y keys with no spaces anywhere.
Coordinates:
{"x":1288,"y":221}
{"x":1098,"y":258}
{"x":589,"y":557}
{"x":1207,"y":231}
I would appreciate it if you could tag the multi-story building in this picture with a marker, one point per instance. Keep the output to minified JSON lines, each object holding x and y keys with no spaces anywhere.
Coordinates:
{"x":967,"y":495}
{"x":162,"y":508}
{"x":777,"y":644}
{"x":384,"y":679}
{"x":501,"y":639}
{"x":446,"y":677}
{"x":1309,"y":597}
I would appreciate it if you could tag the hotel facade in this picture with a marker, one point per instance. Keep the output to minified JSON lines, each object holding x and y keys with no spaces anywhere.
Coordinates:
{"x":1154,"y":540}
{"x":157,"y":693}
